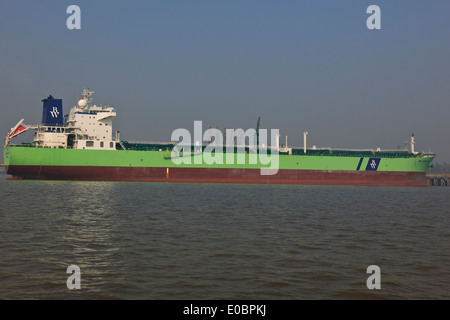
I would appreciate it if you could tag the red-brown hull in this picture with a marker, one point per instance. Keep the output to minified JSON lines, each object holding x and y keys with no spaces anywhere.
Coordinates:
{"x":214,"y":175}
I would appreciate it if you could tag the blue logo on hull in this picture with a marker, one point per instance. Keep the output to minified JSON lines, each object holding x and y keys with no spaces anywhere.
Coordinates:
{"x":373,"y":163}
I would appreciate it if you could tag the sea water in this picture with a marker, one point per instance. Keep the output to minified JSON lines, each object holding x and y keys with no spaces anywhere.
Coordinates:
{"x":222,"y":241}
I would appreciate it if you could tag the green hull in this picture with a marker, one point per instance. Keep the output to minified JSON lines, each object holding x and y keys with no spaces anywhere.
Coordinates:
{"x":31,"y":156}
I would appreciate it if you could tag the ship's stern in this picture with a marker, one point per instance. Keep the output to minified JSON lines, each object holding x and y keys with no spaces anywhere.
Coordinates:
{"x":7,"y":158}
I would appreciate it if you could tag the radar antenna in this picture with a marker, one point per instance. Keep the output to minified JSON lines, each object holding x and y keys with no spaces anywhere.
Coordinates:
{"x":87,"y":94}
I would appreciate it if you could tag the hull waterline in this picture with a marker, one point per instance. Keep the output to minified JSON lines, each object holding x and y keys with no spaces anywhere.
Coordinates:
{"x":219,"y":175}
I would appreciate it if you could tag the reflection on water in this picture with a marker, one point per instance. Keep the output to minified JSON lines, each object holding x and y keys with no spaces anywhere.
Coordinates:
{"x":218,"y":241}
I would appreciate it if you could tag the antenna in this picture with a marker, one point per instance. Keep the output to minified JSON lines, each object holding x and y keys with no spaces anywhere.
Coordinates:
{"x":87,"y":94}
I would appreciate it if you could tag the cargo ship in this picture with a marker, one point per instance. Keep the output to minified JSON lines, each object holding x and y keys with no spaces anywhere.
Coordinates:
{"x":83,"y":146}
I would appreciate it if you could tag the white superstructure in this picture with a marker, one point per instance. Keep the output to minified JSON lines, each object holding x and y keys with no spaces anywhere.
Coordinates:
{"x":85,"y":127}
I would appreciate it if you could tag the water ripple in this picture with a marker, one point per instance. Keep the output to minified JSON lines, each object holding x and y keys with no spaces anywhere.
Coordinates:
{"x":215,"y":241}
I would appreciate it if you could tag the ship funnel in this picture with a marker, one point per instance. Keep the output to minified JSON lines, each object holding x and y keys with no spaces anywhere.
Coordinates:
{"x":52,"y":113}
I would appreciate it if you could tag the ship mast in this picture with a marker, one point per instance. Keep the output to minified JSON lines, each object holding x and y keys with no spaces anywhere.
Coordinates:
{"x":86,"y":95}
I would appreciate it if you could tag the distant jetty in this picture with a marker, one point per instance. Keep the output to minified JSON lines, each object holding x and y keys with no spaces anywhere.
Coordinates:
{"x":438,"y":179}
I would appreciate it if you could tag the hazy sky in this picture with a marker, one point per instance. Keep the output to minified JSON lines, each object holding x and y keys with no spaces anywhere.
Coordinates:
{"x":300,"y":65}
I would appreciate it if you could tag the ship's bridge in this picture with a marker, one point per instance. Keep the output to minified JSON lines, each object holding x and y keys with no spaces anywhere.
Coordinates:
{"x":85,"y":127}
{"x":92,"y":125}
